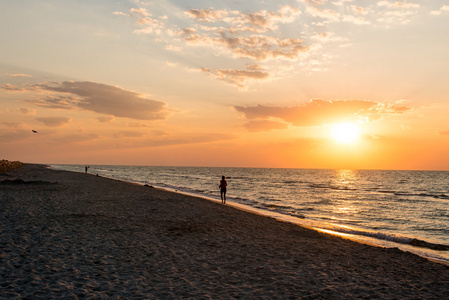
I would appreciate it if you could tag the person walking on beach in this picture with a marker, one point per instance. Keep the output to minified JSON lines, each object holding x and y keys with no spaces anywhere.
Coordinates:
{"x":222,"y":186}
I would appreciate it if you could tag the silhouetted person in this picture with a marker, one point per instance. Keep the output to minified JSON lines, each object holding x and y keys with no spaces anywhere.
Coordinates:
{"x":222,"y":187}
{"x":86,"y":168}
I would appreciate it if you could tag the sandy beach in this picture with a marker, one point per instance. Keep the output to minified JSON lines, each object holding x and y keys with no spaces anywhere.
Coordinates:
{"x":70,"y":235}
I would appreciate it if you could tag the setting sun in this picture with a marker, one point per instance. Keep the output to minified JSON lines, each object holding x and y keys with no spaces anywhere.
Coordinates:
{"x":345,"y":133}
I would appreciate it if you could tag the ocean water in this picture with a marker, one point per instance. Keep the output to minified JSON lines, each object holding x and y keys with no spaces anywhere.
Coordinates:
{"x":404,"y":209}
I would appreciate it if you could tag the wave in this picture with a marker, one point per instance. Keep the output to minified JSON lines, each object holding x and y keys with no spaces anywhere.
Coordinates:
{"x":388,"y":237}
{"x":331,"y":187}
{"x":408,"y":194}
{"x":393,"y":192}
{"x":424,"y":244}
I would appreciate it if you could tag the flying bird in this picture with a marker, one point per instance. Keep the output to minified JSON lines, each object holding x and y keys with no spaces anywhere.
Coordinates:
{"x":34,"y":131}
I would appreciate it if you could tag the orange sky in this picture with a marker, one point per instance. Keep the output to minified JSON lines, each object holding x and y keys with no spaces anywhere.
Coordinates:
{"x":212,"y":83}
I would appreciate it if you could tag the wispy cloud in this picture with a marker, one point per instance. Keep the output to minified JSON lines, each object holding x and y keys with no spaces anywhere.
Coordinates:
{"x":54,"y":121}
{"x":264,"y":125}
{"x":77,"y":138}
{"x":259,"y":21}
{"x":106,"y":119}
{"x":11,"y":88}
{"x":397,"y":4}
{"x":239,"y":78}
{"x":444,"y":8}
{"x":207,"y":15}
{"x":137,"y":125}
{"x":327,"y":14}
{"x":396,"y":12}
{"x":184,"y":140}
{"x":27,"y":111}
{"x":21,"y":75}
{"x":319,"y":112}
{"x":129,"y":134}
{"x":446,"y":132}
{"x":13,"y":124}
{"x":150,"y":25}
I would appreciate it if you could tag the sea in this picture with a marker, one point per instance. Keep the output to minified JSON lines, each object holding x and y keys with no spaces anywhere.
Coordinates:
{"x":408,"y":210}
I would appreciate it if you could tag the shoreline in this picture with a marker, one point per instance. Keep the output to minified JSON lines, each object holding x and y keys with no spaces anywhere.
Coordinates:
{"x":367,"y":240}
{"x":80,"y":235}
{"x":428,"y":250}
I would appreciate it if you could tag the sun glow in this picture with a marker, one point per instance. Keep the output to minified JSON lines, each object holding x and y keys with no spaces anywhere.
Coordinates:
{"x":345,"y":133}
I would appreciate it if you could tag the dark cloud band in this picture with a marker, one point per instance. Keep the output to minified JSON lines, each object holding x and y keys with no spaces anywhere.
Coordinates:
{"x":102,"y":98}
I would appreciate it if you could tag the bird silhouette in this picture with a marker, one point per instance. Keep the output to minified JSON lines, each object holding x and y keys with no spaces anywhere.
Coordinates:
{"x":34,"y":131}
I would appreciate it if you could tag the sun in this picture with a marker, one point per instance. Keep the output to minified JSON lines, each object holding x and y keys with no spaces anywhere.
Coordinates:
{"x":345,"y":133}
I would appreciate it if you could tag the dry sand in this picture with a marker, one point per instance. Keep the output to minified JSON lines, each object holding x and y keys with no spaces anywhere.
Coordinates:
{"x":70,"y":235}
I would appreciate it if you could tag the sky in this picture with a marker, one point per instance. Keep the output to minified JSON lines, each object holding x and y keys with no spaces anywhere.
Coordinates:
{"x":334,"y":84}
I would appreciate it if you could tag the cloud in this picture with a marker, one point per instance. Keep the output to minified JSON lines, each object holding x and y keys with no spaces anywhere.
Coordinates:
{"x":101,"y":98}
{"x":106,"y":119}
{"x":185,"y":140}
{"x":258,"y":21}
{"x":341,"y":2}
{"x":119,"y":13}
{"x":206,"y":15}
{"x":264,"y":125}
{"x":231,"y":34}
{"x":256,"y":47}
{"x":173,"y":48}
{"x":10,"y":87}
{"x":77,"y":138}
{"x":21,"y":75}
{"x":239,"y":78}
{"x":397,"y":12}
{"x":171,"y":64}
{"x":54,"y":121}
{"x":444,"y":8}
{"x":313,"y":2}
{"x":355,"y":20}
{"x":144,"y":18}
{"x":13,"y":124}
{"x":159,"y":132}
{"x":15,"y":135}
{"x":235,"y":38}
{"x":397,"y":4}
{"x":27,"y":111}
{"x":260,"y":48}
{"x":444,"y":132}
{"x":358,"y":10}
{"x":140,"y":12}
{"x":55,"y":102}
{"x":137,"y":125}
{"x":277,"y":38}
{"x":382,"y":13}
{"x":269,"y":20}
{"x":129,"y":133}
{"x":319,"y":112}
{"x":327,"y":14}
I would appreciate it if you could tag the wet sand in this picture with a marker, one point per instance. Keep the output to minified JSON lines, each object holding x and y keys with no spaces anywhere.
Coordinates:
{"x":74,"y":235}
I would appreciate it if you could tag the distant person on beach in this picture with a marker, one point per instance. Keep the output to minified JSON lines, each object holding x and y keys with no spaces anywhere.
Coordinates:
{"x":222,"y":187}
{"x":86,"y":168}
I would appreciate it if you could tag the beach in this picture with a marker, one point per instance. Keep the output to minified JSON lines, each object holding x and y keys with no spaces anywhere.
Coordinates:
{"x":75,"y":236}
